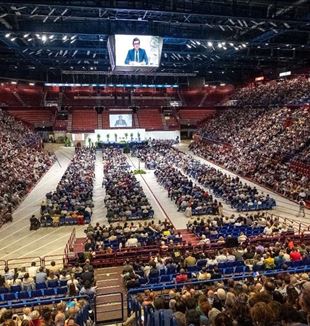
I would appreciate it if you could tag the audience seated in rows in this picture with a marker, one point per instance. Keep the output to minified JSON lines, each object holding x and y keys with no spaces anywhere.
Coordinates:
{"x":215,"y":264}
{"x":276,"y":92}
{"x":22,"y":163}
{"x":263,"y":301}
{"x":189,"y":198}
{"x":70,"y":281}
{"x":235,"y":192}
{"x":69,"y":313}
{"x":106,"y":238}
{"x":263,"y":149}
{"x":125,"y":198}
{"x":238,"y":228}
{"x":71,"y":202}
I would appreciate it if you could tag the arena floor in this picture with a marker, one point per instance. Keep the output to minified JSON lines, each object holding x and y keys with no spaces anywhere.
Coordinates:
{"x":17,"y":241}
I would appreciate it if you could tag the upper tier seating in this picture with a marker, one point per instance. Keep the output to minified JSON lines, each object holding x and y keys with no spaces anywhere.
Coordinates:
{"x":150,"y":119}
{"x":84,"y":120}
{"x":194,"y":116}
{"x":275,"y":92}
{"x":34,"y":117}
{"x":20,"y":151}
{"x":260,"y":148}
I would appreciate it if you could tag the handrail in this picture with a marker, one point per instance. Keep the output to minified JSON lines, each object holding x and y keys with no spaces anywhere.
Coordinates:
{"x":98,"y":296}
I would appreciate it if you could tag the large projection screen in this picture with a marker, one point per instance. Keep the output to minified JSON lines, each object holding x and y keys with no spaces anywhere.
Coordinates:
{"x":120,"y":120}
{"x":135,"y":51}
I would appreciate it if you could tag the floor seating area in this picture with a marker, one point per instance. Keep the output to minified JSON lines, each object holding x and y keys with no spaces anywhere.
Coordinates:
{"x":71,"y":202}
{"x":121,"y":183}
{"x":234,"y":192}
{"x":189,"y":198}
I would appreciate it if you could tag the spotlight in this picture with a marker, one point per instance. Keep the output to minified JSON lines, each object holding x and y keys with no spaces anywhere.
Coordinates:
{"x":7,"y":35}
{"x":210,"y":44}
{"x":219,"y":45}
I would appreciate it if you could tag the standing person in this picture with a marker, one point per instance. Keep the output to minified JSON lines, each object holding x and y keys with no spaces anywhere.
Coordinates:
{"x":301,"y":210}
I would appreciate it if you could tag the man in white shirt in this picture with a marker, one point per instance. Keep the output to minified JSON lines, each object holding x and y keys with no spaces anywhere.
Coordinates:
{"x":32,"y":270}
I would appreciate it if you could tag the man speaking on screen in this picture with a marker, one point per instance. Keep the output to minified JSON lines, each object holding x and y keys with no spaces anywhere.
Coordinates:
{"x":136,"y":56}
{"x":120,"y":122}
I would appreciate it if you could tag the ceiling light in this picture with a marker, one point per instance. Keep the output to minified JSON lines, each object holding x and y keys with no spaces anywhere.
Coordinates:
{"x":219,"y":45}
{"x":13,"y":39}
{"x":188,"y":46}
{"x":222,"y":84}
{"x":7,"y":35}
{"x":31,"y":84}
{"x":243,"y":45}
{"x":29,"y":39}
{"x":65,"y":37}
{"x":73,"y":37}
{"x":231,"y":44}
{"x":13,"y":82}
{"x":198,"y":42}
{"x":26,"y":35}
{"x":72,"y":41}
{"x":210,"y":44}
{"x":44,"y":38}
{"x":224,"y":47}
{"x":51,"y":37}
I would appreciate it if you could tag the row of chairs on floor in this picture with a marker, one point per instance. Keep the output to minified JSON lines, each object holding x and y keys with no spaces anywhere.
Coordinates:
{"x":63,"y":221}
{"x":10,"y":297}
{"x":38,"y":286}
{"x":245,"y":207}
{"x":172,"y":284}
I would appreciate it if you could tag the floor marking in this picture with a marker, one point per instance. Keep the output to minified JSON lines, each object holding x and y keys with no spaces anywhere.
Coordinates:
{"x":46,"y":235}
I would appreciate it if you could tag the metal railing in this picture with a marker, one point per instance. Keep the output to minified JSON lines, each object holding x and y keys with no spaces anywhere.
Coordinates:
{"x":109,"y":307}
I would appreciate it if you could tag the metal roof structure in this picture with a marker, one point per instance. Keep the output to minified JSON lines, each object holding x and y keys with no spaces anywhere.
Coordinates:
{"x":226,"y":40}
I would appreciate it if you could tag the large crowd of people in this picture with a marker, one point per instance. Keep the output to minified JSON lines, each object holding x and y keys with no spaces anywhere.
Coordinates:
{"x":235,"y":192}
{"x":125,"y":198}
{"x":73,"y":198}
{"x":260,"y":301}
{"x":276,"y":92}
{"x":22,"y":163}
{"x":107,"y":238}
{"x":76,"y":285}
{"x":262,"y":149}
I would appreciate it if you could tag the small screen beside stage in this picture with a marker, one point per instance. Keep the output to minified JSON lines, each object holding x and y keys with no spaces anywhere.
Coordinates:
{"x":120,"y":120}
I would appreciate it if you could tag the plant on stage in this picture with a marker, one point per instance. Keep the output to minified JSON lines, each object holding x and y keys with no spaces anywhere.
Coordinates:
{"x":98,"y":138}
{"x":139,"y":136}
{"x":108,"y":137}
{"x":126,"y":135}
{"x":131,"y":136}
{"x":139,"y":171}
{"x":89,"y":142}
{"x":115,"y":136}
